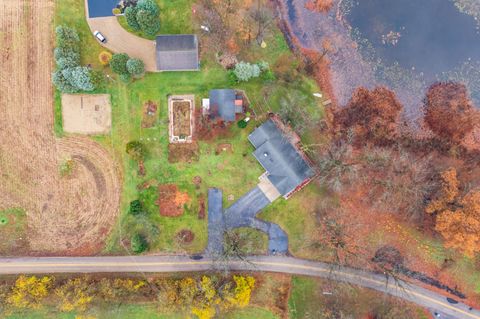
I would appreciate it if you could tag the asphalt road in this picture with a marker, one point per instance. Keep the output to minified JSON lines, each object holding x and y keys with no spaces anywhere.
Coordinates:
{"x":406,"y":291}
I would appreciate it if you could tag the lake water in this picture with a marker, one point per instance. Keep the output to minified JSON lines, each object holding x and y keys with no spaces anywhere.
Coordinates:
{"x":405,"y":45}
{"x":429,"y":36}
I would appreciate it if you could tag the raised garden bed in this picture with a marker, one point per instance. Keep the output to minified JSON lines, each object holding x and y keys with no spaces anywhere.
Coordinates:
{"x":181,"y":119}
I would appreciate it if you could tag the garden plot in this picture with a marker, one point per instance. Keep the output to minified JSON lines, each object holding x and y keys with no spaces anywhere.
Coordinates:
{"x":86,"y":113}
{"x":181,"y":119}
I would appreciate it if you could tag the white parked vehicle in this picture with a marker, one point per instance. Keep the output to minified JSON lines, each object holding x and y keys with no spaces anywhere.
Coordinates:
{"x":100,"y":36}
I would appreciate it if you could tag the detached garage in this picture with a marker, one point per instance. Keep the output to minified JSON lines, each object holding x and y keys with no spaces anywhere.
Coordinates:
{"x":177,"y":52}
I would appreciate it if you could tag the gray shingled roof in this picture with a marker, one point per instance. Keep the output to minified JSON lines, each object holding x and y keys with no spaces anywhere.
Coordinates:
{"x":286,"y":168}
{"x":177,"y":52}
{"x":222,"y":104}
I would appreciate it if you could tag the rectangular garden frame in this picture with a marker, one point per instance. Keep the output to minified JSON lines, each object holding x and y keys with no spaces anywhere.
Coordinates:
{"x":181,"y":124}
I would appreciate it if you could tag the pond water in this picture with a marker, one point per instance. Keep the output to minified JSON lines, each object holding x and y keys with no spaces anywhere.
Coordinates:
{"x":429,"y":36}
{"x":404,"y":45}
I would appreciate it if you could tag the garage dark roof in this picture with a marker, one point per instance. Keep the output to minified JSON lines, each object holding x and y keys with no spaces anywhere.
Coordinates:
{"x":222,"y":104}
{"x":101,"y":8}
{"x":177,"y":52}
{"x":286,"y":167}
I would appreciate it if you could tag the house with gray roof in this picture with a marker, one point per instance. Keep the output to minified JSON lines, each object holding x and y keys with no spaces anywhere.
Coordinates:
{"x":287,"y":169}
{"x":178,"y":52}
{"x":224,"y":104}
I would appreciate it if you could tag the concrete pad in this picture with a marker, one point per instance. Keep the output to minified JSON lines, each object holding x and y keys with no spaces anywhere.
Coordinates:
{"x":268,"y":188}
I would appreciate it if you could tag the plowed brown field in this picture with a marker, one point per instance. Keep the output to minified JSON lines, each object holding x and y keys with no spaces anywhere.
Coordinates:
{"x":66,"y":215}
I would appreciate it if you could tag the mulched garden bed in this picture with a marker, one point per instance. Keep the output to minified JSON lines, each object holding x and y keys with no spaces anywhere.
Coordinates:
{"x":185,"y":236}
{"x":187,"y":152}
{"x":181,"y":118}
{"x":170,"y":200}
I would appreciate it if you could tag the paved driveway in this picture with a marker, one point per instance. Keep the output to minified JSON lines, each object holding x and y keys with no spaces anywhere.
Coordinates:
{"x":245,"y":208}
{"x":241,"y":214}
{"x":120,"y":40}
{"x":216,"y":222}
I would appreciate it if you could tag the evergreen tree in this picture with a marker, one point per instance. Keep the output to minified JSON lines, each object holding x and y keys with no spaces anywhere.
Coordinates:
{"x":131,"y":16}
{"x":244,"y":71}
{"x":135,"y":67}
{"x":136,"y":207}
{"x":79,"y":78}
{"x":67,"y":37}
{"x":149,"y":6}
{"x":62,"y":83}
{"x":139,"y":243}
{"x":148,"y":22}
{"x":118,"y":63}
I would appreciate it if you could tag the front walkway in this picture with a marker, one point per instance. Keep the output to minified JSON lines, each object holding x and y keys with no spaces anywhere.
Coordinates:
{"x":120,"y":40}
{"x":241,"y":214}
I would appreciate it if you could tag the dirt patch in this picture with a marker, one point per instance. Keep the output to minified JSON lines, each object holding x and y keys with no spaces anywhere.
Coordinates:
{"x":63,"y":214}
{"x":170,"y":200}
{"x":86,"y":113}
{"x":147,"y":184}
{"x":197,"y":180}
{"x":208,"y":130}
{"x":183,"y":152}
{"x":185,"y":236}
{"x":201,"y":207}
{"x":223,"y":148}
{"x":149,"y":114}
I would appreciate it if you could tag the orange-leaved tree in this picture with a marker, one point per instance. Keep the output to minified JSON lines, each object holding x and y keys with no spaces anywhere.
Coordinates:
{"x":448,"y":192}
{"x":458,"y":219}
{"x":373,"y":115}
{"x":449,"y":112}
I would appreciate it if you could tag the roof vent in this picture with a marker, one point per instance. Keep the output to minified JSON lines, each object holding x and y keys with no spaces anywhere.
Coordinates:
{"x":265,"y":154}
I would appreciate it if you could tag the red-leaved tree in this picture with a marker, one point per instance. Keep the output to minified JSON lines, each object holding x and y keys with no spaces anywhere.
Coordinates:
{"x":449,"y":113}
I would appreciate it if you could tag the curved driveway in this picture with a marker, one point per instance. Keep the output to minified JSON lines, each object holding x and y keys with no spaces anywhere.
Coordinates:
{"x":409,"y":292}
{"x":120,"y":40}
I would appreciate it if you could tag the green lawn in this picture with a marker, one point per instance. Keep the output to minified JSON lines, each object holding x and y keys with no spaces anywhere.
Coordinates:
{"x":308,"y":301}
{"x":301,"y":300}
{"x":251,"y":241}
{"x":13,"y":230}
{"x":175,"y":18}
{"x":234,"y":172}
{"x":249,"y":313}
{"x":134,"y":311}
{"x":296,"y":216}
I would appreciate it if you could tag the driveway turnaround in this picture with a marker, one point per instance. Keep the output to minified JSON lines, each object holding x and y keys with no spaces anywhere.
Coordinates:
{"x":120,"y":40}
{"x":241,"y":214}
{"x":406,"y":291}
